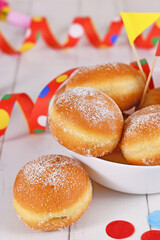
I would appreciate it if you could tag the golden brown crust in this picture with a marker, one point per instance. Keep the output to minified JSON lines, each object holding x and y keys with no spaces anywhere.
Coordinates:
{"x":152,"y":97}
{"x":121,"y":82}
{"x":47,"y":190}
{"x":86,"y":121}
{"x":141,"y":137}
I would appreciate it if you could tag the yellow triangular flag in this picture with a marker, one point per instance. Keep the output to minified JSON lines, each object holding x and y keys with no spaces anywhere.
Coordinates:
{"x":136,"y":23}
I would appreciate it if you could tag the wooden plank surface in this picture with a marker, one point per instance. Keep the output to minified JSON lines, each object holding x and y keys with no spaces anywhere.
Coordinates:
{"x":30,"y":72}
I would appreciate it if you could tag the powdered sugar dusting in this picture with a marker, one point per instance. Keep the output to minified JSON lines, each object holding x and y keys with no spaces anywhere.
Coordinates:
{"x":103,"y":68}
{"x":48,"y":170}
{"x":145,"y":119}
{"x":94,"y":106}
{"x":148,"y":162}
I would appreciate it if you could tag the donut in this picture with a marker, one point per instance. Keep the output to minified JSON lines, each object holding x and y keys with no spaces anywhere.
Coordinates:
{"x":123,"y":83}
{"x":116,"y":156}
{"x":86,"y":121}
{"x":51,"y":192}
{"x":152,"y":97}
{"x":140,"y":142}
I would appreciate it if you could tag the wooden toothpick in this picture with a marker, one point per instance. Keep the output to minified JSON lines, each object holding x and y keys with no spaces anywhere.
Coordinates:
{"x":138,"y":62}
{"x":148,"y":81}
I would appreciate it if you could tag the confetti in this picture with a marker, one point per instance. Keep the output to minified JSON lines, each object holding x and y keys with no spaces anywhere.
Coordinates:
{"x":120,"y":229}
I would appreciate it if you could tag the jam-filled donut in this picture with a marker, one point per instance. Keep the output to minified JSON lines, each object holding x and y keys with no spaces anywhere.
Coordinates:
{"x":140,"y":143}
{"x":123,"y":83}
{"x":51,"y":192}
{"x":86,"y":121}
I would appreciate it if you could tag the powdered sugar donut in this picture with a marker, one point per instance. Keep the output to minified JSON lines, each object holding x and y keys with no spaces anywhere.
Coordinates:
{"x":123,"y":83}
{"x":140,"y":143}
{"x":86,"y":121}
{"x":51,"y":192}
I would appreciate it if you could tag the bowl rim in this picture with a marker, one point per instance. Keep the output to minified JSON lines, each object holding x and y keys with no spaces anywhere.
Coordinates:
{"x":114,"y":163}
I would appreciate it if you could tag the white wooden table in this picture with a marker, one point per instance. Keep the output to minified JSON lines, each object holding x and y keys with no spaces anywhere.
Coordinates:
{"x":29,"y":73}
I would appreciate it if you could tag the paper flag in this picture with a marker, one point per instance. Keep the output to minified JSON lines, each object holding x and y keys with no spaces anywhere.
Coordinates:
{"x":136,"y":23}
{"x":36,"y":113}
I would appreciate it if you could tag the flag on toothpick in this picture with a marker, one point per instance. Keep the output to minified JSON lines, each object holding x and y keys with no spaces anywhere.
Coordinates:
{"x":136,"y":23}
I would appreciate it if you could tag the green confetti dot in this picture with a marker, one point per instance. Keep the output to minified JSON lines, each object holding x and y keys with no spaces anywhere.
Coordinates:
{"x":7,"y":96}
{"x":38,"y":131}
{"x":38,"y":35}
{"x":155,"y":40}
{"x":143,"y":61}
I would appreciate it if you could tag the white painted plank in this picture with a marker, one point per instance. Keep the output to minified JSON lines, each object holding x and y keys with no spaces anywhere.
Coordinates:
{"x":153,"y":204}
{"x":141,"y":6}
{"x":107,"y":206}
{"x":37,"y":68}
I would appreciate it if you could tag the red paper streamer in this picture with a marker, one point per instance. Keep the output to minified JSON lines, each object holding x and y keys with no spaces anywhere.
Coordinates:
{"x":36,"y":113}
{"x":120,"y":229}
{"x":80,"y":25}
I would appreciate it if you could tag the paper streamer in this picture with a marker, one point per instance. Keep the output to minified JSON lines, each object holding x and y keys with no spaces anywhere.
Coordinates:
{"x":38,"y":27}
{"x":36,"y":113}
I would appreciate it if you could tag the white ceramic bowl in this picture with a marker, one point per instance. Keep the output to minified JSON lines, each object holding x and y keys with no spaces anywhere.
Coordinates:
{"x":122,"y":177}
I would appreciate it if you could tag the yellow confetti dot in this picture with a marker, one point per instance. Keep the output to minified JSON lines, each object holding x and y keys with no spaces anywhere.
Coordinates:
{"x":61,"y":78}
{"x":4,"y":119}
{"x":26,"y":46}
{"x":158,"y":23}
{"x":37,"y":19}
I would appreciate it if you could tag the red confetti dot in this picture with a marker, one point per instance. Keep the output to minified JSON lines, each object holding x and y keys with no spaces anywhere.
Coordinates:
{"x":120,"y":229}
{"x":151,"y":235}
